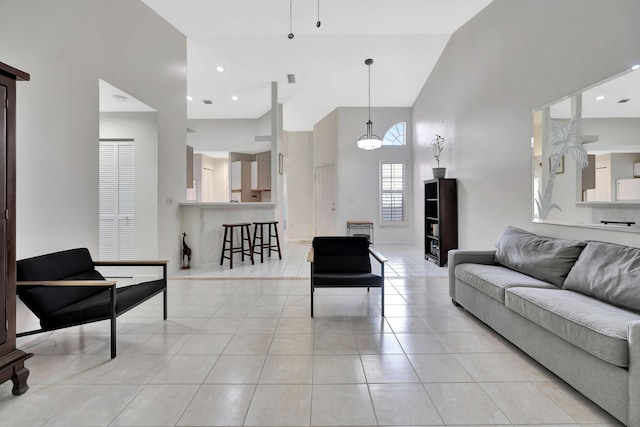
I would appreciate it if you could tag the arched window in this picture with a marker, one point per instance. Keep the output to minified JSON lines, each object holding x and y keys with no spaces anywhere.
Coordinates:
{"x":395,"y":135}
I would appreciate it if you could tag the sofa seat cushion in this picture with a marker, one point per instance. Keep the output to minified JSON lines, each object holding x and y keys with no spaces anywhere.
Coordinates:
{"x":493,"y":280}
{"x":592,"y":325}
{"x":97,"y":307}
{"x":44,"y":300}
{"x":349,"y":280}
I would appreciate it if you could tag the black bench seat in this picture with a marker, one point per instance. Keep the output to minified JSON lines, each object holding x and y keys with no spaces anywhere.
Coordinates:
{"x":64,"y":289}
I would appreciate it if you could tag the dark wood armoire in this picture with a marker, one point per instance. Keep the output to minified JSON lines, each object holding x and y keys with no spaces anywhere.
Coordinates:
{"x":11,"y":359}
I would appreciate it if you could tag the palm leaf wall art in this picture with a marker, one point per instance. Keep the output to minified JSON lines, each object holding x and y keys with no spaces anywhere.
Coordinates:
{"x":564,"y":139}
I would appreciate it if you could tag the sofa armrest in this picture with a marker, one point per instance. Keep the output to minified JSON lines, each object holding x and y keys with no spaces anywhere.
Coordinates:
{"x":457,"y":256}
{"x":634,"y":373}
{"x":92,"y":283}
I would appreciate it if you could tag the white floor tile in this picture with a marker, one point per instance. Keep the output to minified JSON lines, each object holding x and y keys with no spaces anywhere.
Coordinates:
{"x":240,"y":348}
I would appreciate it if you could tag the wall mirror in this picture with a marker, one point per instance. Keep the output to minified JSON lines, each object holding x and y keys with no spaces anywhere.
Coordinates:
{"x":586,"y":156}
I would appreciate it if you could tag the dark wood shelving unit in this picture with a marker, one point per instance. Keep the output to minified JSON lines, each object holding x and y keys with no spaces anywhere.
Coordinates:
{"x":440,"y":219}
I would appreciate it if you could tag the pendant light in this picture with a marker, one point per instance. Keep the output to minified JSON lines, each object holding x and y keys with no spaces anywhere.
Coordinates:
{"x":369,"y":141}
{"x":291,"y":35}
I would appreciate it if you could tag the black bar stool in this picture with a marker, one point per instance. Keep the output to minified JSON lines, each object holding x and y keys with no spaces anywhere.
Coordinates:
{"x":259,"y":248}
{"x":245,"y":234}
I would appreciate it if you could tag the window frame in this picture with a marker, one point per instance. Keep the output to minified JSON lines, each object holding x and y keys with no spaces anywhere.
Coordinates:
{"x":404,"y":192}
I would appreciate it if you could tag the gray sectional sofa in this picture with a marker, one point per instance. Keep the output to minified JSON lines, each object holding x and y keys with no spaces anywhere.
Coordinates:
{"x":574,"y":306}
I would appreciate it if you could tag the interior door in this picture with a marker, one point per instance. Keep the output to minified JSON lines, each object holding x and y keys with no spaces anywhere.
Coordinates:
{"x":208,"y":185}
{"x":325,"y":192}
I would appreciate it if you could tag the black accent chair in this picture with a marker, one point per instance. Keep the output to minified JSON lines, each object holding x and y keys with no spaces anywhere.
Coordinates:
{"x":344,"y":262}
{"x":64,"y":289}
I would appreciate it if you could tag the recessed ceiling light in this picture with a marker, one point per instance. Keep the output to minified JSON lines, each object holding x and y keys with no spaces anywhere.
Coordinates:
{"x":635,"y":67}
{"x":207,"y":101}
{"x":120,"y":98}
{"x":600,"y":98}
{"x":220,"y":69}
{"x":234,"y":97}
{"x":189,"y":98}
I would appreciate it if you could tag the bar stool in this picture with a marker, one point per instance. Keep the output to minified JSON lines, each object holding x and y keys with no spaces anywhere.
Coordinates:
{"x":259,"y":226}
{"x":245,"y":234}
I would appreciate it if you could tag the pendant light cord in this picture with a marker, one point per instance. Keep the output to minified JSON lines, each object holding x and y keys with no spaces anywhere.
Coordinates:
{"x":290,"y":19}
{"x":318,"y":23}
{"x":369,"y":67}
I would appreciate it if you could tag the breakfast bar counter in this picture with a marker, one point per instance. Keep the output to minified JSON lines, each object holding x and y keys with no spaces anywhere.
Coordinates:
{"x":202,"y":221}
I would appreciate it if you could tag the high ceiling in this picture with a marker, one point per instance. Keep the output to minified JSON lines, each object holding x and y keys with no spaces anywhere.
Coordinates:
{"x":249,"y":39}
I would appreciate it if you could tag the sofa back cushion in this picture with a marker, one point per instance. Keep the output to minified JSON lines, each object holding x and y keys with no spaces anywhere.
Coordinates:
{"x":72,"y":264}
{"x":608,"y":272}
{"x":545,"y":258}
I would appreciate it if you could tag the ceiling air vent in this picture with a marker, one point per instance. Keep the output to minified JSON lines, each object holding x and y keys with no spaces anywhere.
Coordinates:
{"x":291,"y":78}
{"x":207,"y":101}
{"x":622,"y":101}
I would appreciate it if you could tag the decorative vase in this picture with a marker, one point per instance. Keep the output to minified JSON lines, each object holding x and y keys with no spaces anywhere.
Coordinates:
{"x":439,"y":172}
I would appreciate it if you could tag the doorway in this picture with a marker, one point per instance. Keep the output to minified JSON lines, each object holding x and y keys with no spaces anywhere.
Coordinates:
{"x":134,"y":233}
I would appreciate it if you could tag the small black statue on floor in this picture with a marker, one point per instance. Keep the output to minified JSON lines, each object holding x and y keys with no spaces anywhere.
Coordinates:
{"x":186,"y":252}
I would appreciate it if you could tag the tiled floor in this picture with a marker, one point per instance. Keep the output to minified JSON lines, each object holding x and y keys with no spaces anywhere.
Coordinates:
{"x":239,"y":348}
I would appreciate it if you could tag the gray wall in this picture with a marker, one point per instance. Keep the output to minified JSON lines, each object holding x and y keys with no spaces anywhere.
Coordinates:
{"x":512,"y":57}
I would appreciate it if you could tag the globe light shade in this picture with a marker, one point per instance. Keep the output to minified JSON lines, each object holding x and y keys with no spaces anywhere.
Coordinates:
{"x":369,"y":144}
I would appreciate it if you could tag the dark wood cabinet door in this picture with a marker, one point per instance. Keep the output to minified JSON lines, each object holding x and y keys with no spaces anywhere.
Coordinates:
{"x":3,"y":209}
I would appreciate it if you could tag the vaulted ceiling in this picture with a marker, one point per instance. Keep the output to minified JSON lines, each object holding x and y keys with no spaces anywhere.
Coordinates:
{"x":248,"y":38}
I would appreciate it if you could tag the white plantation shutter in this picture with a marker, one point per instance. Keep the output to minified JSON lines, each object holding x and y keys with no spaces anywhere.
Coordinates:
{"x":117,"y":204}
{"x":126,"y":202}
{"x":393,"y":184}
{"x":107,"y":222}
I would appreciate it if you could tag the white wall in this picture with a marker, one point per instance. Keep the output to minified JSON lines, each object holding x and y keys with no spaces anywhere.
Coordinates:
{"x":357,"y":171}
{"x":325,"y":140}
{"x":358,"y":193}
{"x":143,"y":129}
{"x":298,"y":167}
{"x":613,"y":133}
{"x":229,"y":134}
{"x":514,"y":56}
{"x":67,"y":46}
